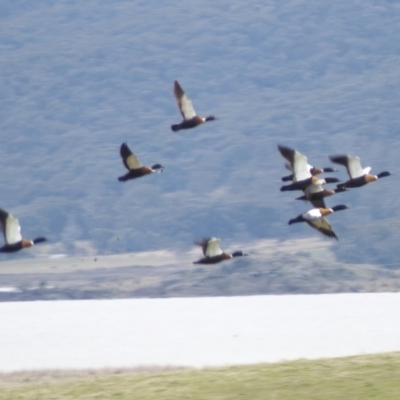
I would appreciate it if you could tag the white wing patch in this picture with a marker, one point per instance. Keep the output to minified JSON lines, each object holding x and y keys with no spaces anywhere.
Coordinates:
{"x":366,"y":170}
{"x":312,"y":215}
{"x":213,"y":248}
{"x":313,"y":188}
{"x":186,"y":107}
{"x":133,"y":162}
{"x":300,"y":167}
{"x":354,"y":168}
{"x":13,"y":230}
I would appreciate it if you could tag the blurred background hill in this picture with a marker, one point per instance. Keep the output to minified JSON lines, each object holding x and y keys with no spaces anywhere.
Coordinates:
{"x":79,"y":78}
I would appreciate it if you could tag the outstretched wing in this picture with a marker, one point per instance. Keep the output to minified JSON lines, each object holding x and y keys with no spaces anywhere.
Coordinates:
{"x":322,"y":225}
{"x":298,"y":163}
{"x":129,"y":159}
{"x":184,"y":103}
{"x":10,"y":227}
{"x":210,"y":246}
{"x":352,"y":164}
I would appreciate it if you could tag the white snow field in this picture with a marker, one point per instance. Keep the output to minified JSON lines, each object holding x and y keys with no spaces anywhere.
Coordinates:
{"x":195,"y":332}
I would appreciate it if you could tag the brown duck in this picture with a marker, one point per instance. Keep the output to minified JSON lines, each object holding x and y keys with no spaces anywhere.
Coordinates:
{"x":190,"y":118}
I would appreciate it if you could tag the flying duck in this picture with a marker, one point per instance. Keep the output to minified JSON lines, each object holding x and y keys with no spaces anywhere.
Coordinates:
{"x":213,"y":253}
{"x":134,"y":166}
{"x":313,"y":171}
{"x":316,"y":194}
{"x":315,"y":218}
{"x":190,"y":118}
{"x":12,"y":234}
{"x":359,"y":176}
{"x":302,"y":176}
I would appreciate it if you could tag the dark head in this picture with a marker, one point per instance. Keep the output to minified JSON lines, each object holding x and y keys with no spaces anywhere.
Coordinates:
{"x":383,"y":174}
{"x":340,"y":207}
{"x":210,"y":118}
{"x":238,"y":254}
{"x":340,"y":188}
{"x":285,"y":188}
{"x":329,"y":169}
{"x":156,"y":167}
{"x":175,"y":127}
{"x":331,"y":180}
{"x":287,"y":178}
{"x":39,"y":240}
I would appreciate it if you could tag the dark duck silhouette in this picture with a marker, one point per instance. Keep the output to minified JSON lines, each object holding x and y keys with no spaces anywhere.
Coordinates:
{"x":315,"y":218}
{"x":134,"y":166}
{"x":359,"y":176}
{"x":302,"y":177}
{"x":213,"y":253}
{"x":190,"y":118}
{"x":12,"y":234}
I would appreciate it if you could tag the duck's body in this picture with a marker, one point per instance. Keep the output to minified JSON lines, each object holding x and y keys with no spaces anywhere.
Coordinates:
{"x":302,"y":176}
{"x":316,"y":193}
{"x":134,"y":166}
{"x":190,"y":118}
{"x":315,"y":218}
{"x":358,"y":175}
{"x":213,"y":253}
{"x":305,"y":183}
{"x":12,"y":234}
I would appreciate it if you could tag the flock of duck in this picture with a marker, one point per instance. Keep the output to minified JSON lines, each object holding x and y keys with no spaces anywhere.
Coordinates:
{"x":303,"y":178}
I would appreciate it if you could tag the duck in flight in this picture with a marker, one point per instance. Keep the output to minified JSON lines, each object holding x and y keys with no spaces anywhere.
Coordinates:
{"x":315,"y":218}
{"x":359,"y":176}
{"x":213,"y":253}
{"x":12,"y":234}
{"x":134,"y":166}
{"x":302,"y":176}
{"x":190,"y":118}
{"x":315,"y":193}
{"x":313,"y":171}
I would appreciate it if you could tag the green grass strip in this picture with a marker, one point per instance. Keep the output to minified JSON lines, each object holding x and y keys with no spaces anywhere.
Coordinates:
{"x":362,"y":377}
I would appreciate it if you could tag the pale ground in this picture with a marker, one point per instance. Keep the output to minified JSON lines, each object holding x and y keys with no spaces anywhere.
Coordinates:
{"x":195,"y":332}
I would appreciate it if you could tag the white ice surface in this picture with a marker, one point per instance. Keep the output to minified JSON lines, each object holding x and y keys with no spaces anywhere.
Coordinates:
{"x":195,"y":331}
